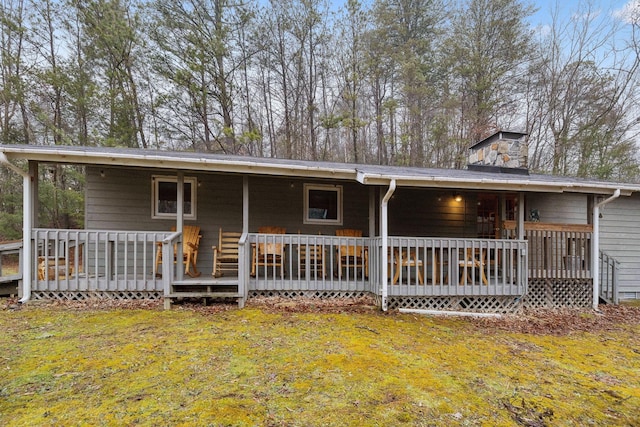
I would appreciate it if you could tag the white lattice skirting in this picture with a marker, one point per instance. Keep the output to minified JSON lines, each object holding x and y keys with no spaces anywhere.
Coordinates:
{"x":542,"y":293}
{"x":559,"y":293}
{"x":476,"y":304}
{"x":310,"y":294}
{"x":93,"y":295}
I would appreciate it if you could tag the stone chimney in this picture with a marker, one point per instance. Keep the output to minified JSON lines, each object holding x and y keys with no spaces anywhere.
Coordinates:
{"x":504,"y":151}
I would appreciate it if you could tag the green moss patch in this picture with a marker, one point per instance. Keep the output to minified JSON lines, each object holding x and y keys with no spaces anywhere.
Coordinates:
{"x":259,"y":366}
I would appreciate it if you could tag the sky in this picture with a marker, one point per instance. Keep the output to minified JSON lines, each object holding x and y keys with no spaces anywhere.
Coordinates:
{"x":545,"y":8}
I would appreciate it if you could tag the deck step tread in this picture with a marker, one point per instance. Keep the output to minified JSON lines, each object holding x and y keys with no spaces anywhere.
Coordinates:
{"x":205,"y":282}
{"x":204,"y":294}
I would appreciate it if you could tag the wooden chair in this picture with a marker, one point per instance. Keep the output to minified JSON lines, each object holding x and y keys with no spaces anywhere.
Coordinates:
{"x":225,"y":254}
{"x":350,"y":255}
{"x":439,"y":266}
{"x":408,"y":259}
{"x":190,"y":243}
{"x":313,"y":255}
{"x":269,"y":252}
{"x":50,"y":268}
{"x":473,"y":259}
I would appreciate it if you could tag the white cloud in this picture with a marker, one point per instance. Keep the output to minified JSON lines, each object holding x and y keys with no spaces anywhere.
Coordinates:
{"x":629,"y":13}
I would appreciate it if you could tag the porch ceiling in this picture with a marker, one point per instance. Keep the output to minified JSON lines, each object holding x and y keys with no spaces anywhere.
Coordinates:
{"x":365,"y":174}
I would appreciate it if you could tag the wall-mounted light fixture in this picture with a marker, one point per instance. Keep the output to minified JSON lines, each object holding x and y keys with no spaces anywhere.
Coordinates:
{"x":102,"y":175}
{"x":457,"y":197}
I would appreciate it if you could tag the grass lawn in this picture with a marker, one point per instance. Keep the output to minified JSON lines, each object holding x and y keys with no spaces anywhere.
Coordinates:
{"x":286,"y":365}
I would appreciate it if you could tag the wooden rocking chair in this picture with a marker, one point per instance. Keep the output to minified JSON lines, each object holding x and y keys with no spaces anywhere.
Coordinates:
{"x":190,"y":243}
{"x":225,"y":255}
{"x":270,"y":253}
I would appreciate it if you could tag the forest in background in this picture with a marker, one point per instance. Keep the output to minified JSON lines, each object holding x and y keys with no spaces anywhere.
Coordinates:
{"x":394,"y":82}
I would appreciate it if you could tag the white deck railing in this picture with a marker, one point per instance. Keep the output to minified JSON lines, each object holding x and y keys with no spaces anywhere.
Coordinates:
{"x":559,"y":251}
{"x":91,"y":260}
{"x":11,"y":255}
{"x":609,"y":267}
{"x":429,"y":266}
{"x":96,"y":260}
{"x":299,"y":262}
{"x":415,"y":265}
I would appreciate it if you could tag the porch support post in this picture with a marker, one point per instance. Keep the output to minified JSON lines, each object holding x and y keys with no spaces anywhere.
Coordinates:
{"x":243,"y":249}
{"x":245,"y":204}
{"x":180,"y":223}
{"x":521,"y":216}
{"x":35,"y":203}
{"x":595,"y":247}
{"x":384,"y":234}
{"x":28,"y":215}
{"x":372,"y":211}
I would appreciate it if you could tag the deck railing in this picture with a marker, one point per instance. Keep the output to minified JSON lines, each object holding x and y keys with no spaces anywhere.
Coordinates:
{"x":428,"y":266}
{"x":96,"y":260}
{"x":11,"y":255}
{"x":609,"y":278}
{"x":556,"y":250}
{"x":288,"y":262}
{"x":416,"y":265}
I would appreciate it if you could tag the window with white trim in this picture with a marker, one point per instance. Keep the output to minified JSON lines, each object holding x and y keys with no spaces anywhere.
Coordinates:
{"x":322,"y":204}
{"x":165,"y":193}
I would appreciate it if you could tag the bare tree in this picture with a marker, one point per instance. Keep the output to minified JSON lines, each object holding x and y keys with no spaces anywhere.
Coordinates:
{"x":487,"y":47}
{"x":585,"y":91}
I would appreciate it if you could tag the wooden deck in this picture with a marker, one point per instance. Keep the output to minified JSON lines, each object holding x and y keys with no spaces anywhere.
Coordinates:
{"x":123,"y":262}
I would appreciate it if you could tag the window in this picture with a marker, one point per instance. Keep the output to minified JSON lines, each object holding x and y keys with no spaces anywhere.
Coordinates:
{"x":165,"y":192}
{"x":322,"y":204}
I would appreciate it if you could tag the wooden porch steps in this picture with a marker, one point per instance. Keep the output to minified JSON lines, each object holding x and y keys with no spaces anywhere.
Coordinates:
{"x":214,"y":288}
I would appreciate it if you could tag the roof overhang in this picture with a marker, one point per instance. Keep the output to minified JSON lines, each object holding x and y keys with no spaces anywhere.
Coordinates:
{"x":364,"y":174}
{"x":174,"y":161}
{"x":502,"y":183}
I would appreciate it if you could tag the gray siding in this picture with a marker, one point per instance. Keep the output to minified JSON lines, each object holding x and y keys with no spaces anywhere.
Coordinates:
{"x":122,"y":201}
{"x":620,"y":238}
{"x":559,"y":208}
{"x":414,"y":212}
{"x":280,"y":202}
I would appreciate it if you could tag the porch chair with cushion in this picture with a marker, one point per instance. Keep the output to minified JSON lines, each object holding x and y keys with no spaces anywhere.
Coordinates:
{"x":190,"y":243}
{"x":269,"y":251}
{"x":473,"y":259}
{"x":352,"y":255}
{"x":225,"y":254}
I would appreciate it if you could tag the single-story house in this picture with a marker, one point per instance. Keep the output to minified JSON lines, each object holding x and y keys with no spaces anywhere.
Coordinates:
{"x":490,"y":238}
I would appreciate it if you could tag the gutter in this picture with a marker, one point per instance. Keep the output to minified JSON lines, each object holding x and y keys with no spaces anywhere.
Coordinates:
{"x":26,"y":226}
{"x":595,"y":256}
{"x":384,"y":234}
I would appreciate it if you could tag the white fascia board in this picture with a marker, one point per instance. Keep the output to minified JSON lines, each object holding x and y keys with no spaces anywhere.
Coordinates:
{"x":250,"y":166}
{"x":165,"y":160}
{"x":496,"y":184}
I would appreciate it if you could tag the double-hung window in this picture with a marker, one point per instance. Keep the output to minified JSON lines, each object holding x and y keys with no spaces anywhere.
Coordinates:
{"x":322,"y":204}
{"x":165,"y":195}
